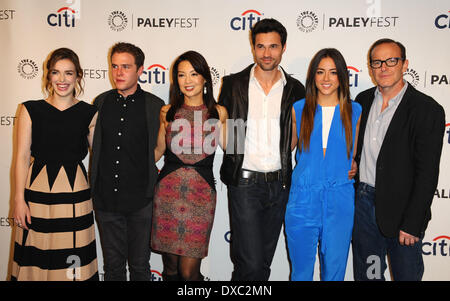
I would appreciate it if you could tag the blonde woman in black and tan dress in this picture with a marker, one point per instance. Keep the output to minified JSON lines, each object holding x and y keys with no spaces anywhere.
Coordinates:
{"x":55,"y":237}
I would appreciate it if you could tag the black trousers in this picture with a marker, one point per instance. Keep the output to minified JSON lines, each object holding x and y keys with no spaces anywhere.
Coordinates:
{"x":126,"y":237}
{"x":257,"y":214}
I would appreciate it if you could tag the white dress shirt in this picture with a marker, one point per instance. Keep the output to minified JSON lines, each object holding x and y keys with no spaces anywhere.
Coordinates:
{"x":262,"y":140}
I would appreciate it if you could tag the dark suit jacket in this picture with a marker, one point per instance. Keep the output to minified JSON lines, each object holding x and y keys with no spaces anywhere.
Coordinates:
{"x":407,"y":167}
{"x":234,"y":97}
{"x":153,"y":106}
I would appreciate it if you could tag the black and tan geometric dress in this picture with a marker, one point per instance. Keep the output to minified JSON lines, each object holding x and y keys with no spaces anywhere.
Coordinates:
{"x":60,"y":243}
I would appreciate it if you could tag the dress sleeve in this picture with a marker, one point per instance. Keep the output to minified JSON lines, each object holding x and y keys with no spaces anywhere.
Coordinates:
{"x":30,"y":105}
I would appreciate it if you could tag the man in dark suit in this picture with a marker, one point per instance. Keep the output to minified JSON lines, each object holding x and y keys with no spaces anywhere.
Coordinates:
{"x":257,"y":164}
{"x":123,"y":172}
{"x":399,"y":148}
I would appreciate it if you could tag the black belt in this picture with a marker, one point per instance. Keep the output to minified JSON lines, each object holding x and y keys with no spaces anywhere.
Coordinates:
{"x":261,"y":176}
{"x":204,"y":167}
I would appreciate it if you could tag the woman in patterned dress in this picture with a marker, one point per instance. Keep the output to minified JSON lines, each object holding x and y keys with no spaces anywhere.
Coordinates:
{"x":55,"y":237}
{"x":185,"y":199}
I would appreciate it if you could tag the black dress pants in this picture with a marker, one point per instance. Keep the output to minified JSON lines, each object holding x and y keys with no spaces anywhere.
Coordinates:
{"x":126,"y":237}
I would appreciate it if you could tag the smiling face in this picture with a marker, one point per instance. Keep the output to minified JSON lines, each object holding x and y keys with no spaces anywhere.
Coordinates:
{"x":268,"y":50}
{"x":388,"y":78}
{"x":63,"y":78}
{"x":125,"y":73}
{"x":191,"y":83}
{"x":326,"y":78}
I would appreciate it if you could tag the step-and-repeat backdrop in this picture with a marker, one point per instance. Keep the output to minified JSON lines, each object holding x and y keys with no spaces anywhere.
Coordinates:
{"x":30,"y":30}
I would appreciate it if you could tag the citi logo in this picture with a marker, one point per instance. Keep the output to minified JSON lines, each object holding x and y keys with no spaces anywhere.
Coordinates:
{"x":353,"y":76}
{"x":156,"y":276}
{"x":438,"y":247}
{"x":246,"y":20}
{"x":155,"y":74}
{"x":227,"y":236}
{"x":64,"y":17}
{"x":442,"y":21}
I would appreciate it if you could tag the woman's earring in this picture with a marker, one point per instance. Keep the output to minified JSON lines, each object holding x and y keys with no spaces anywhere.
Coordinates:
{"x":204,"y":89}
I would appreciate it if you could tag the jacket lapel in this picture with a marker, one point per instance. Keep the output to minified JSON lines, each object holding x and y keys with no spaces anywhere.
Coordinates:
{"x":243,"y":89}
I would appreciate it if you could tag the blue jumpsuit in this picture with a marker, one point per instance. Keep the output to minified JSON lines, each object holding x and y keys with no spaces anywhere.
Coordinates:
{"x":321,"y":201}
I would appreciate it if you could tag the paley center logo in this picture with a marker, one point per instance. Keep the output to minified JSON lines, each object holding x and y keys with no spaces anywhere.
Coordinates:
{"x":437,"y":247}
{"x":412,"y":77}
{"x":64,"y":17}
{"x":246,"y":20}
{"x":117,"y":21}
{"x":308,"y":21}
{"x":154,"y":74}
{"x":442,"y":21}
{"x":215,"y":76}
{"x":27,"y":69}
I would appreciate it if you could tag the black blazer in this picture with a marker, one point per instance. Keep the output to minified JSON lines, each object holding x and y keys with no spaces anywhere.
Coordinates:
{"x":153,"y":106}
{"x":407,"y":167}
{"x":234,"y":97}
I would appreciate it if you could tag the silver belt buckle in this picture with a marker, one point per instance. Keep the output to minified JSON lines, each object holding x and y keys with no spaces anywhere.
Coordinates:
{"x":245,"y":174}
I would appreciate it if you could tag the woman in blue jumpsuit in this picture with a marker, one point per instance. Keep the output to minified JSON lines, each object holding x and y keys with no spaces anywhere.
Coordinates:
{"x":320,"y":210}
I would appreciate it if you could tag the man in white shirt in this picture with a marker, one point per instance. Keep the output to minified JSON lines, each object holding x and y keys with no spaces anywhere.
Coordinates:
{"x":257,"y":163}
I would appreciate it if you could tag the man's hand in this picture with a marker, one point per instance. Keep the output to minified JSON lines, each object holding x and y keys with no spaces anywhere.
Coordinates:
{"x":406,"y":239}
{"x":353,"y":170}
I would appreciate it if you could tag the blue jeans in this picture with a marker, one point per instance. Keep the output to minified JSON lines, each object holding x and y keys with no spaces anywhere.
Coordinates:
{"x":256,"y":214}
{"x":370,"y":247}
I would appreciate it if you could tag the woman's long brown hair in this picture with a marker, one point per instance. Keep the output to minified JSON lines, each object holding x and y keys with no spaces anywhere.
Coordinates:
{"x":345,"y":103}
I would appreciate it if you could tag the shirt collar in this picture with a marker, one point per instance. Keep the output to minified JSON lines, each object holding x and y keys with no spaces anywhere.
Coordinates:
{"x":136,"y":94}
{"x":397,"y":98}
